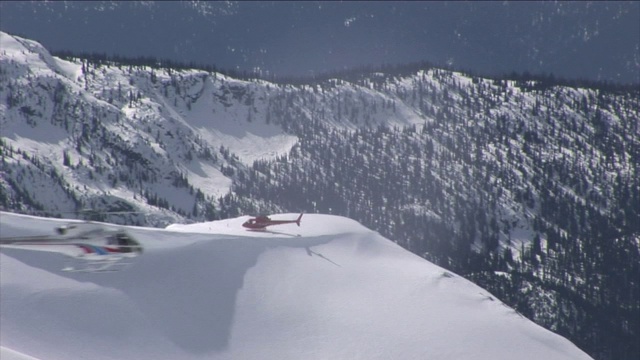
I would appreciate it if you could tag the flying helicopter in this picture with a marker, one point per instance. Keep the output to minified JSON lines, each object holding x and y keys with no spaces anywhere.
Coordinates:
{"x":260,"y":223}
{"x":89,"y":246}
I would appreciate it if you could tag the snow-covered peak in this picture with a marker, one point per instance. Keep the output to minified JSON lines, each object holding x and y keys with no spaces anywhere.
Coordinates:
{"x":31,"y":53}
{"x":314,"y":225}
{"x":336,"y":291}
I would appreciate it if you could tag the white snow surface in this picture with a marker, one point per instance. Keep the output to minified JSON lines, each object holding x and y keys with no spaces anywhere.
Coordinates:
{"x":329,"y":289}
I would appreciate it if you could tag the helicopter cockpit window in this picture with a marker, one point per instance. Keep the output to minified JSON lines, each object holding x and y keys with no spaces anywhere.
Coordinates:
{"x":123,"y":241}
{"x":112,"y":240}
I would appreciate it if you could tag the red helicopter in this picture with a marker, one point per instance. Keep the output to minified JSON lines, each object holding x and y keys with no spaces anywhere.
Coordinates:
{"x":261,"y":222}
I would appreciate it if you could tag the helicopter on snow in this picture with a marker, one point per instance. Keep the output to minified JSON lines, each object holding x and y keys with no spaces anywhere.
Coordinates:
{"x":260,"y":223}
{"x":90,"y":246}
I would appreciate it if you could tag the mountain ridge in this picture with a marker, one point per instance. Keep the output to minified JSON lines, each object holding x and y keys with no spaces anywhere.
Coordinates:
{"x":481,"y":176}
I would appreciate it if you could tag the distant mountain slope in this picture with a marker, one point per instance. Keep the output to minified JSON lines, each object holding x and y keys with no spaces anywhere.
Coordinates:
{"x":527,"y":187}
{"x":530,"y":189}
{"x":338,"y":291}
{"x":76,"y":135}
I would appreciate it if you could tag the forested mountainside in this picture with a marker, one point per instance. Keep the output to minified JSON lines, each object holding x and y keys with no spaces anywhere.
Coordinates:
{"x":526,"y":187}
{"x":533,"y":193}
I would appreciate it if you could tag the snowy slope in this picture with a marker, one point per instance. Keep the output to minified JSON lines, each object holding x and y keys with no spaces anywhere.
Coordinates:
{"x":79,"y":135}
{"x":216,"y":291}
{"x":538,"y":174}
{"x":8,"y":354}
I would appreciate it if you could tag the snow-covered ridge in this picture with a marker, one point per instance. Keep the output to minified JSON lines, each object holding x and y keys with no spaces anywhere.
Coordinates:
{"x":313,"y":226}
{"x":175,"y":132}
{"x":8,"y":354}
{"x":170,"y":143}
{"x":81,"y":135}
{"x":217,"y":291}
{"x":536,"y":179}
